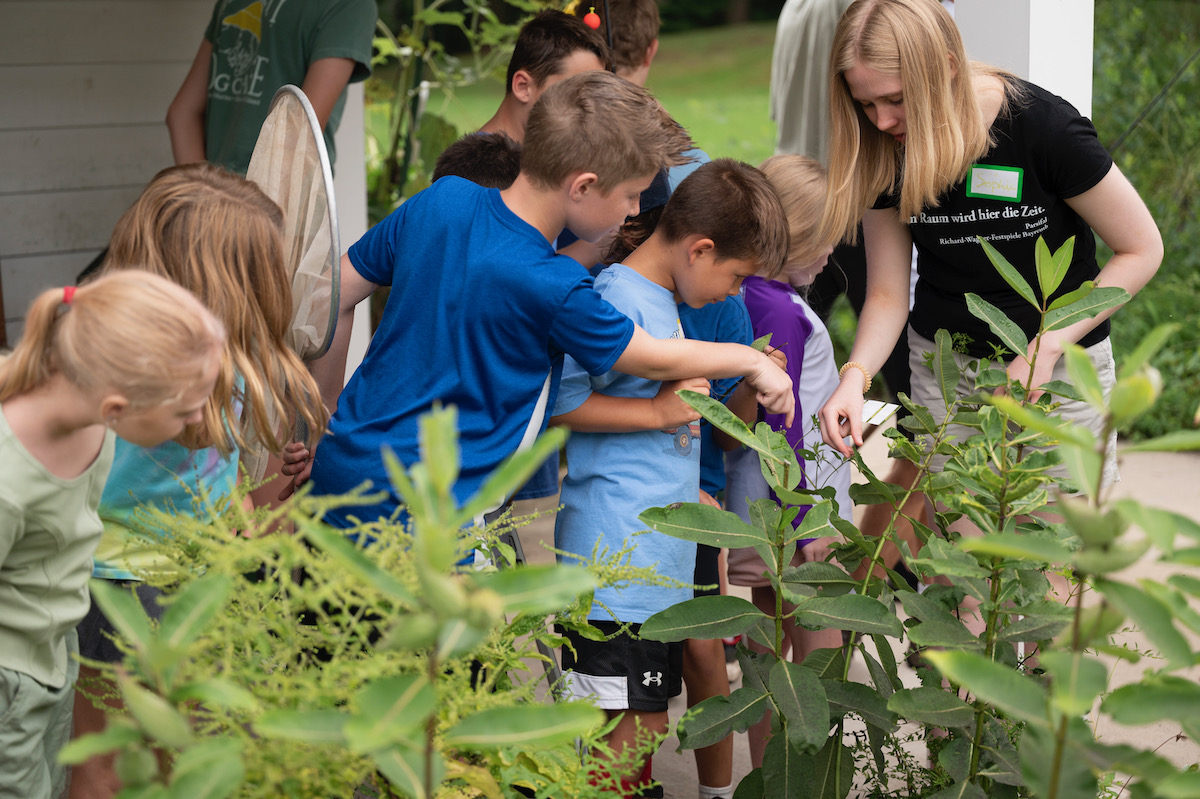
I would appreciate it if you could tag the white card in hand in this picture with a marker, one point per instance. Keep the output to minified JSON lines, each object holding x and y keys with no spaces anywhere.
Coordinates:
{"x":876,"y":412}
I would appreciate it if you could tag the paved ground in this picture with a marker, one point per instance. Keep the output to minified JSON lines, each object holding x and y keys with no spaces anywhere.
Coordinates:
{"x":1166,"y":480}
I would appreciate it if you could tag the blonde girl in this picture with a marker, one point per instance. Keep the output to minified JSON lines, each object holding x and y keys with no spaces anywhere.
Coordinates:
{"x":777,"y":307}
{"x":930,"y":149}
{"x":133,"y":355}
{"x":220,"y":236}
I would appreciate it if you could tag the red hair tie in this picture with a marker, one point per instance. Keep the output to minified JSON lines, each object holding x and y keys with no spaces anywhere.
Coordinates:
{"x":68,"y":294}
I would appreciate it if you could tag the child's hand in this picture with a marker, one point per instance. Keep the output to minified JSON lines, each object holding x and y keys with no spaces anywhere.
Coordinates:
{"x":708,"y":499}
{"x":777,"y":355}
{"x":672,"y":412}
{"x":818,"y":549}
{"x":773,"y":390}
{"x":297,"y":464}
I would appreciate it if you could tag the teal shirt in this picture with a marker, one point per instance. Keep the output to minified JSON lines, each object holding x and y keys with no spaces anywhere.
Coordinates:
{"x":48,"y":530}
{"x":262,"y":45}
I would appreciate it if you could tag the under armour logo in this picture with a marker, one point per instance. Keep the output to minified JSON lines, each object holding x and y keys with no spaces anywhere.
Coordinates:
{"x":656,"y":679}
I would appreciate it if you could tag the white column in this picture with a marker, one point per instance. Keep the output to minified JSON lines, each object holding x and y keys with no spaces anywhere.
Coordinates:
{"x":1048,"y":42}
{"x":350,"y":186}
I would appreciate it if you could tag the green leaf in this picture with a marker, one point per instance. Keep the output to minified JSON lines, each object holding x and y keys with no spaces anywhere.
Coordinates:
{"x":725,"y":420}
{"x":1010,"y":274}
{"x":951,"y":634}
{"x":832,"y":580}
{"x":833,"y":772}
{"x":801,"y":701}
{"x":1083,"y":375}
{"x":1146,"y":349}
{"x":960,"y":790}
{"x":1155,"y":698}
{"x":935,"y":706}
{"x":785,"y":770}
{"x":857,"y":698}
{"x":879,"y":676}
{"x":1096,"y":528}
{"x":1153,"y":617}
{"x":1075,"y":295}
{"x":124,"y":612}
{"x":705,"y":524}
{"x":210,"y":770}
{"x":432,"y":16}
{"x":510,"y":475}
{"x":1014,"y":545}
{"x":1032,"y":629}
{"x":1052,"y":269}
{"x":1010,"y":335}
{"x":309,"y":726}
{"x":761,"y":343}
{"x":387,"y":711}
{"x":1096,"y":302}
{"x":751,"y":786}
{"x":215,"y":691}
{"x":945,"y":368}
{"x":524,"y":726}
{"x":538,"y":589}
{"x":718,"y":716}
{"x":458,"y":637}
{"x":1178,"y":441}
{"x":404,"y":767}
{"x":1046,"y":774}
{"x":854,"y":612}
{"x":1076,"y":680}
{"x":343,"y":552}
{"x":1160,"y":526}
{"x":437,"y":437}
{"x":157,"y":718}
{"x":1009,"y":691}
{"x":1132,"y":396}
{"x":704,"y":618}
{"x":115,"y":736}
{"x":192,"y":608}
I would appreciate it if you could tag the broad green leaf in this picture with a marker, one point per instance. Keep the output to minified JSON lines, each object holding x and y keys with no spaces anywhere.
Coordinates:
{"x":1009,"y":272}
{"x":1184,"y":785}
{"x":432,"y":16}
{"x":960,"y":790}
{"x":705,"y":524}
{"x":1146,"y":349}
{"x":833,"y":771}
{"x":1178,"y":441}
{"x":718,"y":716}
{"x":310,"y":726}
{"x":510,"y":475}
{"x":1094,"y":527}
{"x":345,"y":553}
{"x":1075,"y":295}
{"x":1076,"y":680}
{"x":1035,"y":419}
{"x":1083,"y":375}
{"x":879,"y":676}
{"x":945,"y":368}
{"x":1051,"y":269}
{"x":387,"y":711}
{"x":935,"y":706}
{"x":724,"y":420}
{"x":404,"y":767}
{"x":1047,"y":775}
{"x":437,"y":436}
{"x":761,"y":343}
{"x":1013,"y":545}
{"x":124,"y":612}
{"x":158,"y":718}
{"x":832,"y":580}
{"x":1009,"y":333}
{"x":115,"y":736}
{"x":538,"y":589}
{"x":524,"y":726}
{"x":1114,"y":558}
{"x":751,"y":786}
{"x":952,"y":634}
{"x":1097,"y":301}
{"x":854,"y":612}
{"x":705,"y":618}
{"x":459,"y":637}
{"x":801,"y":701}
{"x":1009,"y":691}
{"x":786,"y":772}
{"x":861,"y":699}
{"x":1134,"y":395}
{"x":212,"y":769}
{"x":215,"y":691}
{"x":1153,"y":699}
{"x":193,"y":607}
{"x":1032,"y":629}
{"x":1153,"y":617}
{"x":1160,"y":526}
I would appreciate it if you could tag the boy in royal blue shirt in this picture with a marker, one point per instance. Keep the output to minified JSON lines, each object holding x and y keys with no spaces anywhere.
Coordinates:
{"x":482,"y":310}
{"x":722,"y":224}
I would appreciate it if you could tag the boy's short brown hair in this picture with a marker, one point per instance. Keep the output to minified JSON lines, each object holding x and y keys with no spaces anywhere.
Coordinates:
{"x":491,"y":160}
{"x":635,"y":25}
{"x":597,"y":122}
{"x":546,"y":40}
{"x":735,"y":205}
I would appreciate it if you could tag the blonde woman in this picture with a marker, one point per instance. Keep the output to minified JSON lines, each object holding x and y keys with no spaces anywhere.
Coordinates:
{"x":930,"y":149}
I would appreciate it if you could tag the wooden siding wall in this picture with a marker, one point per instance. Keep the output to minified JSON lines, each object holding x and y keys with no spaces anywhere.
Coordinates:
{"x":84,"y":89}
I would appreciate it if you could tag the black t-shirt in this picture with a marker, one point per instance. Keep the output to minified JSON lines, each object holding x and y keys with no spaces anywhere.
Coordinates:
{"x":1045,"y":153}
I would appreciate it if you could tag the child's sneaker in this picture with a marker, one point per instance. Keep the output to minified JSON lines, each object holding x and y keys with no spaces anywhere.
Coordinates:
{"x":733,"y":669}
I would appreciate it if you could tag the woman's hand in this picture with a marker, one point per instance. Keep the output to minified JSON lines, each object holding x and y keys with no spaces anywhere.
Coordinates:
{"x":1049,"y":350}
{"x":841,"y":415}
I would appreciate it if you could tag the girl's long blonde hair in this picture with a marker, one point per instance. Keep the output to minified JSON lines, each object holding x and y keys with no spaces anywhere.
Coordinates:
{"x":220,"y":236}
{"x":130,"y":333}
{"x":800,"y":182}
{"x":945,"y":132}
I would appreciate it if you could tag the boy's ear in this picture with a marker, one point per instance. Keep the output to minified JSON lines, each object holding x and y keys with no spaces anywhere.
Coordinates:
{"x":583,"y":183}
{"x":651,"y":51}
{"x":700,"y":247}
{"x":524,"y":87}
{"x":112,"y":407}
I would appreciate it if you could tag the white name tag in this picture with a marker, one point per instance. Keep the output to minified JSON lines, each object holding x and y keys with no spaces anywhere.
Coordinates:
{"x":995,"y":182}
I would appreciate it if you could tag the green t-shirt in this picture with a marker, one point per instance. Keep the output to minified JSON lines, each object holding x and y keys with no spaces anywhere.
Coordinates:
{"x":262,"y":45}
{"x":48,"y":530}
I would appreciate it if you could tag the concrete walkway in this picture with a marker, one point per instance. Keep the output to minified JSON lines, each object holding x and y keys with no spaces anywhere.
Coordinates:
{"x":1170,"y":481}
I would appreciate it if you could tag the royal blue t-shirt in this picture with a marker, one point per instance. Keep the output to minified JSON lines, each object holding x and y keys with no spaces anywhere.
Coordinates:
{"x":481,"y":311}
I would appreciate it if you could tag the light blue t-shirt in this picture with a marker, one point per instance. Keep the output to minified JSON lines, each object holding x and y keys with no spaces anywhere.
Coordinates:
{"x":480,"y":313}
{"x":613,"y":477}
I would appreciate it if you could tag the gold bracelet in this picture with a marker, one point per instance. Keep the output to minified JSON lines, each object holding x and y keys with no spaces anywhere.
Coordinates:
{"x":859,"y":367}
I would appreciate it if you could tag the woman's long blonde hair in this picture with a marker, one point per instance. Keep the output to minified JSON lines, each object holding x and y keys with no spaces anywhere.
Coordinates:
{"x":945,"y":132}
{"x":130,"y":333}
{"x":218,"y":235}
